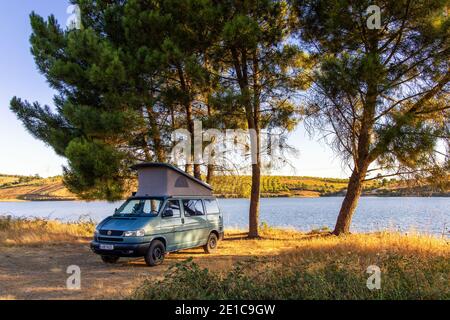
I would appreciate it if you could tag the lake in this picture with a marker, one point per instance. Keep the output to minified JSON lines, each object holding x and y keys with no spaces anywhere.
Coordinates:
{"x":425,"y":215}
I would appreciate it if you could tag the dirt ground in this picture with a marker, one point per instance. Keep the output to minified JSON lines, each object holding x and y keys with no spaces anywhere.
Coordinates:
{"x":33,"y":270}
{"x":39,"y":272}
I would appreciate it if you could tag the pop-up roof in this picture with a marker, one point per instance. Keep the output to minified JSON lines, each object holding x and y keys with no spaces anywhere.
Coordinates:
{"x":161,"y":179}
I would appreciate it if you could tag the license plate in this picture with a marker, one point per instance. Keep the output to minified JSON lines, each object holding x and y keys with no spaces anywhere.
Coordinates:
{"x":106,"y":247}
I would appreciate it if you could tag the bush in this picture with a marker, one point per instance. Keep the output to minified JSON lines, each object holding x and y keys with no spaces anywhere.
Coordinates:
{"x":291,"y":278}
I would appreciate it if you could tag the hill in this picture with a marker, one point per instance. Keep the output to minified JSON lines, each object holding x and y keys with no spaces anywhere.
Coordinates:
{"x":35,"y":188}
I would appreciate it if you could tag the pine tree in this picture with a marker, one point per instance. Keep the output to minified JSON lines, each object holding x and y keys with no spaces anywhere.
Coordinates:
{"x":382,"y":92}
{"x":262,"y":72}
{"x":125,"y":81}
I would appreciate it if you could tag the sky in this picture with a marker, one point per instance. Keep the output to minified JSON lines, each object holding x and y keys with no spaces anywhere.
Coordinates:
{"x":22,"y":154}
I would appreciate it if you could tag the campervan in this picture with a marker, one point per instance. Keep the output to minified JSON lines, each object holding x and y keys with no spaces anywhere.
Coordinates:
{"x":170,"y":211}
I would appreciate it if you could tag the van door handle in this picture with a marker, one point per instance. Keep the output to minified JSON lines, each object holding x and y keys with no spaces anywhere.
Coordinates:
{"x":182,"y":220}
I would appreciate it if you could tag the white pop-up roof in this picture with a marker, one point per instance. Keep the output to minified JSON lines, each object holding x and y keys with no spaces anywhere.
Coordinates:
{"x":161,"y":179}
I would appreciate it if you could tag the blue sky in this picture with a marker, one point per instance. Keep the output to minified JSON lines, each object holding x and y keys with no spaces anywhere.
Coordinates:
{"x":20,"y":153}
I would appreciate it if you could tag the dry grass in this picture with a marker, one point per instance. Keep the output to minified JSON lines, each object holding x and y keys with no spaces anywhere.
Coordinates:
{"x":285,"y":264}
{"x":282,"y":264}
{"x":362,"y":243}
{"x":35,"y":232}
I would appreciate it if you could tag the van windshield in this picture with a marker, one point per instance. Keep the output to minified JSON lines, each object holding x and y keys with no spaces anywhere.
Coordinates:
{"x":146,"y":207}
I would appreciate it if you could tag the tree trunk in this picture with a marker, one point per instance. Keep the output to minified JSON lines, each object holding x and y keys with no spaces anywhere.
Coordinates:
{"x":254,"y":123}
{"x":210,"y":173}
{"x":252,"y":112}
{"x":188,"y":168}
{"x":362,"y":157}
{"x":255,"y":147}
{"x":253,"y":215}
{"x":159,"y":149}
{"x":197,"y":172}
{"x":350,"y":202}
{"x":155,"y":133}
{"x":189,"y":118}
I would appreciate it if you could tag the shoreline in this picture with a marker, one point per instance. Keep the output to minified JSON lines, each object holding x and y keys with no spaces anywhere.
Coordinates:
{"x":271,"y":197}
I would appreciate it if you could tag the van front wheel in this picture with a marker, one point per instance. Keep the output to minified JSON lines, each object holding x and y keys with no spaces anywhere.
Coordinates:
{"x":155,"y":254}
{"x":211,"y":245}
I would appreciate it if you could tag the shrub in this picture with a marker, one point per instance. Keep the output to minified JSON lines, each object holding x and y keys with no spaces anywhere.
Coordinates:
{"x":292,"y":278}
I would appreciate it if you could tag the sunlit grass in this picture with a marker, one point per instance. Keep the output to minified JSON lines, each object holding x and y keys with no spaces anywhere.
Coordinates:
{"x":368,"y":243}
{"x":37,"y":231}
{"x":285,"y":264}
{"x":281,"y":264}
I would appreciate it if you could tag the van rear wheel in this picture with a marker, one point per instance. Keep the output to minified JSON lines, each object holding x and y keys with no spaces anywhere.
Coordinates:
{"x":211,"y":245}
{"x":155,"y":254}
{"x":110,"y":259}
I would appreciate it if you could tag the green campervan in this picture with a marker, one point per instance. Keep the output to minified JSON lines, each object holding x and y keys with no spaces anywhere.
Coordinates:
{"x":170,"y":211}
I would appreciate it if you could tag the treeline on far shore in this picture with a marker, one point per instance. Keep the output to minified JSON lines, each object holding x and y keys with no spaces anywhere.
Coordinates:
{"x":35,"y":188}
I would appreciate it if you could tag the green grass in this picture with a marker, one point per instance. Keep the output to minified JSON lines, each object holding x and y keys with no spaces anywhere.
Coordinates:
{"x":286,"y":264}
{"x":309,"y":279}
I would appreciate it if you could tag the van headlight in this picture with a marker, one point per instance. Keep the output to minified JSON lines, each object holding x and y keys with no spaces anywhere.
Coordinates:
{"x":138,"y":233}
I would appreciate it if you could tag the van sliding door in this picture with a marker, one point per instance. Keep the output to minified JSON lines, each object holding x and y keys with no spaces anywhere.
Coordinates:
{"x":195,"y":225}
{"x":171,"y":226}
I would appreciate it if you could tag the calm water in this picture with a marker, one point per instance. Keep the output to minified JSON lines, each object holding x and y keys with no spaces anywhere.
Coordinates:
{"x":430,"y":215}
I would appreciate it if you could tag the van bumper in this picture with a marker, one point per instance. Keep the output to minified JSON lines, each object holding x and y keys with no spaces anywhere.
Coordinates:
{"x":221,"y":235}
{"x":121,"y":249}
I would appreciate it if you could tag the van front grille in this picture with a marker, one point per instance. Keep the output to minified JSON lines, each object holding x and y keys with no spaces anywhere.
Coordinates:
{"x":113,"y":233}
{"x":110,"y":239}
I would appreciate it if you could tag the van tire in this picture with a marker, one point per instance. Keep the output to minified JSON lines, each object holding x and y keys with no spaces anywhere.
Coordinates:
{"x":155,"y":253}
{"x":211,"y":245}
{"x":110,"y":259}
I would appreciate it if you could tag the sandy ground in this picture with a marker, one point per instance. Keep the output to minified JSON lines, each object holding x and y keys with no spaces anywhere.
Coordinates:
{"x":40,"y":272}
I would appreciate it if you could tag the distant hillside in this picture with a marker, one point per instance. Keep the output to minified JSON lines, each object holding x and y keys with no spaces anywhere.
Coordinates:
{"x":35,"y":188}
{"x":295,"y":186}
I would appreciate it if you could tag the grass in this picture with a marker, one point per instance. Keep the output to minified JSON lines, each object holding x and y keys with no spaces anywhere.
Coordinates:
{"x":282,"y":264}
{"x":35,"y":231}
{"x":292,"y":265}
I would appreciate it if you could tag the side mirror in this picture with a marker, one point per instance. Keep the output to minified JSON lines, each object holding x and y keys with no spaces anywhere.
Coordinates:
{"x":168,"y":213}
{"x":115,"y":210}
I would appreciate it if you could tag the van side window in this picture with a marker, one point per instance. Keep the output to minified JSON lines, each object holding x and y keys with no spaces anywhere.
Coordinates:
{"x":193,"y":208}
{"x":211,"y":206}
{"x":174,"y":205}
